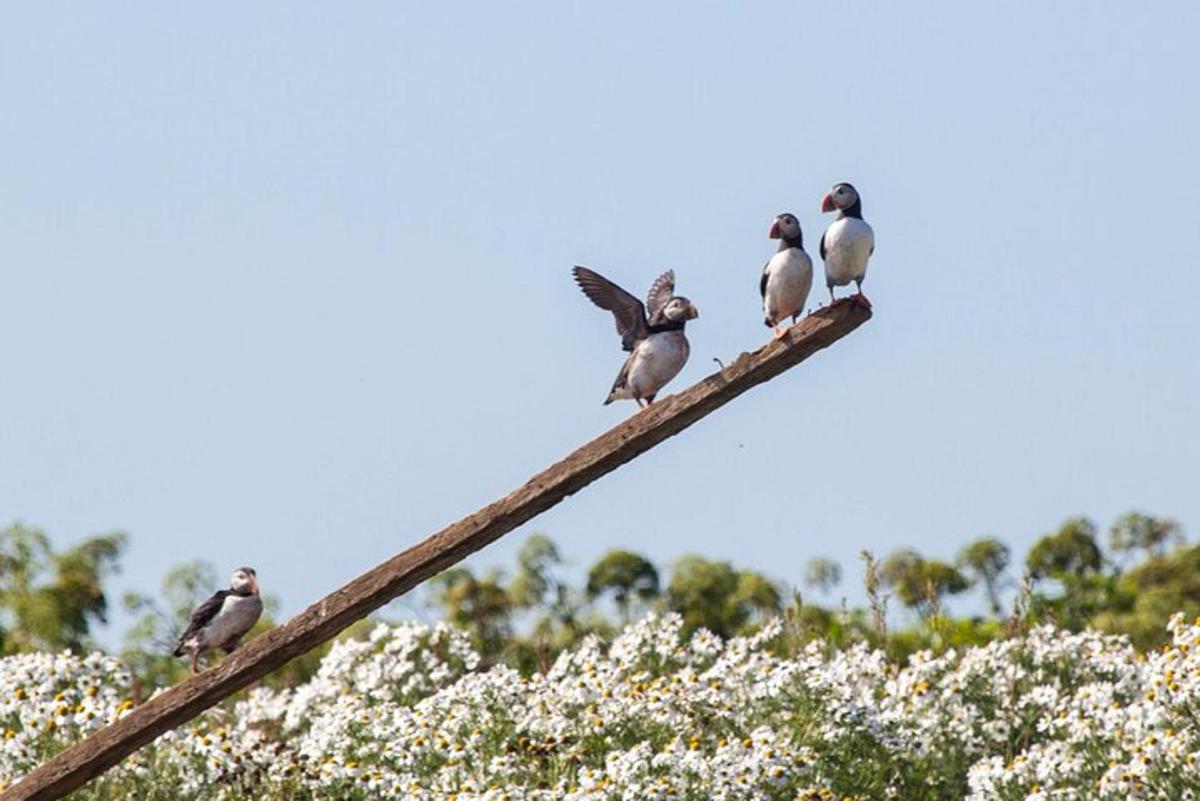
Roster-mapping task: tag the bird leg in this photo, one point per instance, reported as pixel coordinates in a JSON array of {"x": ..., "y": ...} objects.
[
  {"x": 195, "y": 661},
  {"x": 860, "y": 299},
  {"x": 640, "y": 404},
  {"x": 779, "y": 332},
  {"x": 832, "y": 299}
]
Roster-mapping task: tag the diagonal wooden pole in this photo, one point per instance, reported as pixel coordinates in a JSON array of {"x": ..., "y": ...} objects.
[{"x": 324, "y": 619}]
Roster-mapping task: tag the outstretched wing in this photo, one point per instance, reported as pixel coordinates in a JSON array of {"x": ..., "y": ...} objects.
[
  {"x": 203, "y": 615},
  {"x": 627, "y": 310},
  {"x": 661, "y": 292}
]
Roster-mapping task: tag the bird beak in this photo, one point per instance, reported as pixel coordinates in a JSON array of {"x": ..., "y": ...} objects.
[
  {"x": 773, "y": 231},
  {"x": 693, "y": 312},
  {"x": 827, "y": 203}
]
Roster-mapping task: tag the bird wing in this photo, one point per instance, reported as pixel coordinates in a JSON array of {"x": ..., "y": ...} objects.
[
  {"x": 246, "y": 614},
  {"x": 627, "y": 310},
  {"x": 661, "y": 292},
  {"x": 203, "y": 615},
  {"x": 823, "y": 246},
  {"x": 762, "y": 284}
]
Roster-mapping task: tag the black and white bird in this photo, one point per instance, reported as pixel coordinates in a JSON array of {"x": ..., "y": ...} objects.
[
  {"x": 848, "y": 242},
  {"x": 787, "y": 277},
  {"x": 652, "y": 333},
  {"x": 222, "y": 620}
]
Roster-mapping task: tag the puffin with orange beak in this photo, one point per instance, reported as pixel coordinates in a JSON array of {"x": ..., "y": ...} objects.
[
  {"x": 787, "y": 276},
  {"x": 222, "y": 620},
  {"x": 847, "y": 243}
]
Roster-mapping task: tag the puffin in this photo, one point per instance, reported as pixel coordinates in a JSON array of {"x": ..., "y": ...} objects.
[
  {"x": 651, "y": 333},
  {"x": 787, "y": 276},
  {"x": 222, "y": 620},
  {"x": 847, "y": 243}
]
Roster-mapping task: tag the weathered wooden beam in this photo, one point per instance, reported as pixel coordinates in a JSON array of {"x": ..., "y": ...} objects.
[{"x": 324, "y": 619}]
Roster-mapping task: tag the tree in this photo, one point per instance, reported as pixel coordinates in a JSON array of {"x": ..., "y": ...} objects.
[
  {"x": 900, "y": 571},
  {"x": 1069, "y": 552},
  {"x": 714, "y": 596},
  {"x": 536, "y": 561},
  {"x": 756, "y": 596},
  {"x": 1071, "y": 557},
  {"x": 481, "y": 605},
  {"x": 628, "y": 576},
  {"x": 1150, "y": 593},
  {"x": 985, "y": 560},
  {"x": 49, "y": 599},
  {"x": 921, "y": 584},
  {"x": 1135, "y": 531},
  {"x": 538, "y": 586},
  {"x": 822, "y": 574}
]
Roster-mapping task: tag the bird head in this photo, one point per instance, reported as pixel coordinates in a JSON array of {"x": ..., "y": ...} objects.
[
  {"x": 786, "y": 227},
  {"x": 840, "y": 198},
  {"x": 679, "y": 309},
  {"x": 244, "y": 579}
]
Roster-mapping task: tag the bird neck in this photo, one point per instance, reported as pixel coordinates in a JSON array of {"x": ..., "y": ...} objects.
[
  {"x": 244, "y": 592},
  {"x": 663, "y": 324},
  {"x": 854, "y": 211},
  {"x": 787, "y": 244}
]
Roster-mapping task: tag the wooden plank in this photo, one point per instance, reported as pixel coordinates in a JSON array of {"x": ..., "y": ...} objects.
[{"x": 324, "y": 619}]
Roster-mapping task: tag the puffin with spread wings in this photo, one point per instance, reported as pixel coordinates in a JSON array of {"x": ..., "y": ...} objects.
[
  {"x": 222, "y": 620},
  {"x": 652, "y": 333}
]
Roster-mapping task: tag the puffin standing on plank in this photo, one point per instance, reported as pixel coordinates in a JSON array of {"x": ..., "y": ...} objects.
[
  {"x": 847, "y": 243},
  {"x": 652, "y": 333},
  {"x": 222, "y": 620},
  {"x": 787, "y": 277}
]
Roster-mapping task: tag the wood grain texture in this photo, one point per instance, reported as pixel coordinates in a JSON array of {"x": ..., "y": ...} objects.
[{"x": 324, "y": 619}]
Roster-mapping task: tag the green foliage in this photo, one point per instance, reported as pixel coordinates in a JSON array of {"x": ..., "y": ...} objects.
[
  {"x": 822, "y": 574},
  {"x": 1069, "y": 552},
  {"x": 480, "y": 605},
  {"x": 628, "y": 576},
  {"x": 941, "y": 633},
  {"x": 536, "y": 562},
  {"x": 715, "y": 596},
  {"x": 1162, "y": 585},
  {"x": 985, "y": 560},
  {"x": 50, "y": 599},
  {"x": 1135, "y": 531},
  {"x": 921, "y": 583}
]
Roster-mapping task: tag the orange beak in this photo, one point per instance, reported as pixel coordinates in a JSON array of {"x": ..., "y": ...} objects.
[
  {"x": 827, "y": 204},
  {"x": 773, "y": 231}
]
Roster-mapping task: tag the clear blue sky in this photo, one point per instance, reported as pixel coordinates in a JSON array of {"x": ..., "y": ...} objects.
[{"x": 287, "y": 284}]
